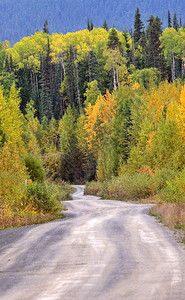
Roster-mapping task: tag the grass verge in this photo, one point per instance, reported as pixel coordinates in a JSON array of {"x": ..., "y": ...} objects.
[
  {"x": 41, "y": 203},
  {"x": 171, "y": 215}
]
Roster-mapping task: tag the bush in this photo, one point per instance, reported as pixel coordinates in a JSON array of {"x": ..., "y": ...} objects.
[
  {"x": 44, "y": 197},
  {"x": 174, "y": 191},
  {"x": 94, "y": 188},
  {"x": 35, "y": 168},
  {"x": 126, "y": 187},
  {"x": 135, "y": 186}
]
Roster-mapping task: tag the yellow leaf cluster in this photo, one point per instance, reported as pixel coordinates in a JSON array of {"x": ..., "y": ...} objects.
[{"x": 99, "y": 120}]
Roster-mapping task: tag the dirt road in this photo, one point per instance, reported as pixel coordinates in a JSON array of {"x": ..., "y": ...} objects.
[{"x": 104, "y": 249}]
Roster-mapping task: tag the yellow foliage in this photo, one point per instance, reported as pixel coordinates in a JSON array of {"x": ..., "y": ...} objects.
[
  {"x": 99, "y": 120},
  {"x": 135, "y": 86}
]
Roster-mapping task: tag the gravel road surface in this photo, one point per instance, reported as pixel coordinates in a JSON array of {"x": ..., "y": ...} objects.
[{"x": 104, "y": 249}]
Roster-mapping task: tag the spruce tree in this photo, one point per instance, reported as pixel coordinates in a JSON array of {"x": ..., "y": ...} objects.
[
  {"x": 92, "y": 26},
  {"x": 93, "y": 66},
  {"x": 153, "y": 33},
  {"x": 88, "y": 24},
  {"x": 113, "y": 40},
  {"x": 46, "y": 86},
  {"x": 169, "y": 19},
  {"x": 180, "y": 23},
  {"x": 128, "y": 51},
  {"x": 105, "y": 25},
  {"x": 175, "y": 22},
  {"x": 138, "y": 27},
  {"x": 46, "y": 29}
]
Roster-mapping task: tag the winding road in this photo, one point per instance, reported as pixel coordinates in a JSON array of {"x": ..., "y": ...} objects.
[{"x": 103, "y": 249}]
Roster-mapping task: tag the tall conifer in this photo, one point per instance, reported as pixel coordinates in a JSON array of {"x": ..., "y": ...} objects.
[
  {"x": 169, "y": 19},
  {"x": 138, "y": 27}
]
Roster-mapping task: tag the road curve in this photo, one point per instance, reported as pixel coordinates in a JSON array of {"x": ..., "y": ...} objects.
[{"x": 104, "y": 249}]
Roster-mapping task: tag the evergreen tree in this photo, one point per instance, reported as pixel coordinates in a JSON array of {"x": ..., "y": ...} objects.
[
  {"x": 180, "y": 23},
  {"x": 144, "y": 49},
  {"x": 138, "y": 27},
  {"x": 175, "y": 22},
  {"x": 113, "y": 40},
  {"x": 92, "y": 26},
  {"x": 93, "y": 66},
  {"x": 153, "y": 33},
  {"x": 46, "y": 86},
  {"x": 88, "y": 24},
  {"x": 105, "y": 25},
  {"x": 25, "y": 91},
  {"x": 169, "y": 19},
  {"x": 46, "y": 29},
  {"x": 128, "y": 50}
]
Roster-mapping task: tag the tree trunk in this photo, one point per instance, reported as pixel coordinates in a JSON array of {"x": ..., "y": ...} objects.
[
  {"x": 173, "y": 66},
  {"x": 183, "y": 64},
  {"x": 114, "y": 78}
]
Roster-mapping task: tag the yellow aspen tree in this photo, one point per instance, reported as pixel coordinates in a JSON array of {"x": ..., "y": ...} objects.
[{"x": 99, "y": 121}]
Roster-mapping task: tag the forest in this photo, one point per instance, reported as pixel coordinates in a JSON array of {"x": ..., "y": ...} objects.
[
  {"x": 97, "y": 104},
  {"x": 22, "y": 18}
]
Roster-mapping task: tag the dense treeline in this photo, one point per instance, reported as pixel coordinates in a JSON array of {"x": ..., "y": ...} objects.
[
  {"x": 22, "y": 18},
  {"x": 93, "y": 104}
]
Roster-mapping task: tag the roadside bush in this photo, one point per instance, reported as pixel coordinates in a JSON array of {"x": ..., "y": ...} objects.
[
  {"x": 94, "y": 188},
  {"x": 134, "y": 186},
  {"x": 44, "y": 197},
  {"x": 126, "y": 187},
  {"x": 174, "y": 191},
  {"x": 35, "y": 168}
]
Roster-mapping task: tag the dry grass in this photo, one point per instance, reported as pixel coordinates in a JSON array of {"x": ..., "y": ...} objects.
[
  {"x": 17, "y": 220},
  {"x": 170, "y": 214}
]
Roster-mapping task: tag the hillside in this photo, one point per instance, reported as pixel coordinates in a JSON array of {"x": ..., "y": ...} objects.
[{"x": 22, "y": 18}]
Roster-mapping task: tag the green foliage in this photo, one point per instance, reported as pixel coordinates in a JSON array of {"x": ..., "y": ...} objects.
[
  {"x": 94, "y": 188},
  {"x": 138, "y": 27},
  {"x": 44, "y": 197},
  {"x": 167, "y": 148},
  {"x": 174, "y": 190},
  {"x": 146, "y": 76},
  {"x": 35, "y": 168},
  {"x": 113, "y": 40},
  {"x": 92, "y": 93},
  {"x": 126, "y": 187}
]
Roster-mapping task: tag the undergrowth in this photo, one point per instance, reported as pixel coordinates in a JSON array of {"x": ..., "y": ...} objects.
[{"x": 41, "y": 202}]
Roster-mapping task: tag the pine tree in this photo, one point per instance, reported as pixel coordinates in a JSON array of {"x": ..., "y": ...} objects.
[
  {"x": 138, "y": 27},
  {"x": 46, "y": 29},
  {"x": 105, "y": 25},
  {"x": 175, "y": 22},
  {"x": 169, "y": 19}
]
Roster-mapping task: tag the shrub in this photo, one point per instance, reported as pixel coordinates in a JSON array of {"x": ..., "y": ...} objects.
[
  {"x": 94, "y": 188},
  {"x": 35, "y": 168},
  {"x": 126, "y": 187},
  {"x": 174, "y": 190},
  {"x": 44, "y": 197}
]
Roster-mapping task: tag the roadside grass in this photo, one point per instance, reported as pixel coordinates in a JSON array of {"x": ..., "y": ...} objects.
[
  {"x": 170, "y": 214},
  {"x": 41, "y": 203}
]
